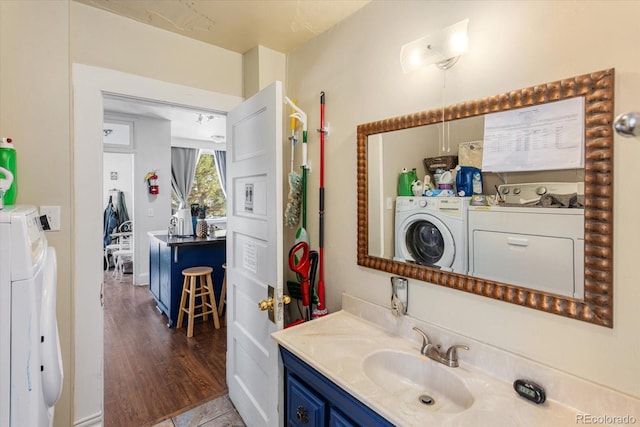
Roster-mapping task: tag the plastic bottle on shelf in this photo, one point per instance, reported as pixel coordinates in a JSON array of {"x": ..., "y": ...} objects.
[
  {"x": 8, "y": 160},
  {"x": 404, "y": 183}
]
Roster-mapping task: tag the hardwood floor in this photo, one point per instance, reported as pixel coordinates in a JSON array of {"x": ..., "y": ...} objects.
[{"x": 153, "y": 372}]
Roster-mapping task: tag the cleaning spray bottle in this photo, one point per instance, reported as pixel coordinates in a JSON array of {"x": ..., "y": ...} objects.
[{"x": 8, "y": 160}]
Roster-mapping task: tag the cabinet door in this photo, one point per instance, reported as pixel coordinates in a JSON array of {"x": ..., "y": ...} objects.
[
  {"x": 535, "y": 261},
  {"x": 165, "y": 282},
  {"x": 304, "y": 408},
  {"x": 154, "y": 268},
  {"x": 310, "y": 384},
  {"x": 337, "y": 419}
]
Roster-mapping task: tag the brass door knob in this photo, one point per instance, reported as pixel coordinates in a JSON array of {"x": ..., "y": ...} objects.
[
  {"x": 265, "y": 304},
  {"x": 286, "y": 299}
]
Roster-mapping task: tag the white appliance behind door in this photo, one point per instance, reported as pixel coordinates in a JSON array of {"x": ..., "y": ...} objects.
[{"x": 254, "y": 255}]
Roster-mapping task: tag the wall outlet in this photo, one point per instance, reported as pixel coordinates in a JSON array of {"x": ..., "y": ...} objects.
[
  {"x": 53, "y": 216},
  {"x": 150, "y": 212}
]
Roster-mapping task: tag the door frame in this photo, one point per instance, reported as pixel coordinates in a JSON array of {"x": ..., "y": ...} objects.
[{"x": 89, "y": 85}]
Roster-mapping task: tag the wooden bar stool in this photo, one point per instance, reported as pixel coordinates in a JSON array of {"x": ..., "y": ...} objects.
[
  {"x": 202, "y": 289},
  {"x": 222, "y": 304}
]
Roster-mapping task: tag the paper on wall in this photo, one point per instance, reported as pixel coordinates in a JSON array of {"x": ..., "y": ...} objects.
[{"x": 542, "y": 137}]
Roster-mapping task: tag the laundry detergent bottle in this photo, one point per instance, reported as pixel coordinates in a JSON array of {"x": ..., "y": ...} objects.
[
  {"x": 404, "y": 183},
  {"x": 468, "y": 181},
  {"x": 8, "y": 160}
]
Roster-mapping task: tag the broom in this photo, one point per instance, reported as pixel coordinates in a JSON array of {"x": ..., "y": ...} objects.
[{"x": 292, "y": 212}]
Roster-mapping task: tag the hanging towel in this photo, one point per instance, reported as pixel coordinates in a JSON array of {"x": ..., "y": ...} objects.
[
  {"x": 121, "y": 210},
  {"x": 110, "y": 222}
]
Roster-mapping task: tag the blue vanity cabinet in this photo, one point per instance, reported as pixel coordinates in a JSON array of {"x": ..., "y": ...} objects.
[
  {"x": 337, "y": 419},
  {"x": 169, "y": 256},
  {"x": 305, "y": 408},
  {"x": 312, "y": 400}
]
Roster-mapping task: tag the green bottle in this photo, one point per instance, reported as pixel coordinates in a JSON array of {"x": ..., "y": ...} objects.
[
  {"x": 404, "y": 183},
  {"x": 8, "y": 161}
]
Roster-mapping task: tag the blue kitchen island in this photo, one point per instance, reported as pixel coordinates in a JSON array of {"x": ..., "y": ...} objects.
[{"x": 168, "y": 256}]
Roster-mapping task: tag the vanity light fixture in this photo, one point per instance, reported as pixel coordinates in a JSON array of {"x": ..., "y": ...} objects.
[{"x": 442, "y": 48}]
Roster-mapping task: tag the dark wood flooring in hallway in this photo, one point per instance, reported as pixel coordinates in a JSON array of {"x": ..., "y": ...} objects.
[{"x": 152, "y": 372}]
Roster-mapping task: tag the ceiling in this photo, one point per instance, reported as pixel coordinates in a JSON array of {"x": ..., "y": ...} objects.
[
  {"x": 238, "y": 25},
  {"x": 186, "y": 123}
]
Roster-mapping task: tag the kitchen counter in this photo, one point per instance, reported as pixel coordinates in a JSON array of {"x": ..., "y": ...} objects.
[
  {"x": 337, "y": 345},
  {"x": 187, "y": 240},
  {"x": 168, "y": 256}
]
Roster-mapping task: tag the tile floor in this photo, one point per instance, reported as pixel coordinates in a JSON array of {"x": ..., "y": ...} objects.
[{"x": 216, "y": 413}]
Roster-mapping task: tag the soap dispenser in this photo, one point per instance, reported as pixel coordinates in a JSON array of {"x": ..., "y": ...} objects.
[{"x": 399, "y": 295}]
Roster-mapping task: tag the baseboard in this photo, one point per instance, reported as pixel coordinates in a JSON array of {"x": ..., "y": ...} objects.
[
  {"x": 90, "y": 421},
  {"x": 142, "y": 279}
]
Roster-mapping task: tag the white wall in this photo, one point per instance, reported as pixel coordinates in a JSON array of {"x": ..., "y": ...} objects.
[
  {"x": 35, "y": 112},
  {"x": 152, "y": 212},
  {"x": 512, "y": 45},
  {"x": 122, "y": 165},
  {"x": 262, "y": 66},
  {"x": 106, "y": 40}
]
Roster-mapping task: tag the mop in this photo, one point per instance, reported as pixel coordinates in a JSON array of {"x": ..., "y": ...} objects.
[
  {"x": 321, "y": 309},
  {"x": 292, "y": 212}
]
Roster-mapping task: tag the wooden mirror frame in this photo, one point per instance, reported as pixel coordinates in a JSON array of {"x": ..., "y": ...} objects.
[{"x": 597, "y": 305}]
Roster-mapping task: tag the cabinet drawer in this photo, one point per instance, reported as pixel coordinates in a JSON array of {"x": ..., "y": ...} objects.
[
  {"x": 338, "y": 419},
  {"x": 304, "y": 408}
]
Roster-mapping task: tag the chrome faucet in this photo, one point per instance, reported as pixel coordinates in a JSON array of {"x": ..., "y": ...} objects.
[{"x": 433, "y": 351}]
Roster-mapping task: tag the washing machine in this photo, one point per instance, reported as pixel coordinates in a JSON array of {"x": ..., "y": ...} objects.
[
  {"x": 30, "y": 360},
  {"x": 432, "y": 231},
  {"x": 523, "y": 243}
]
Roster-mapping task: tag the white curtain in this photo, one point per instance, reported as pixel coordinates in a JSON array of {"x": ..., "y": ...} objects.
[
  {"x": 183, "y": 171},
  {"x": 221, "y": 163}
]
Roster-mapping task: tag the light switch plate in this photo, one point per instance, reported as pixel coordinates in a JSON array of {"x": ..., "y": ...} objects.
[{"x": 53, "y": 216}]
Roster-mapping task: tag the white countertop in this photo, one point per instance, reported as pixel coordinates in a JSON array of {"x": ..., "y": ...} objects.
[{"x": 337, "y": 344}]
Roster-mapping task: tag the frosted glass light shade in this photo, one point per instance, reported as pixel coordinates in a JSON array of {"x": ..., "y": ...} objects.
[{"x": 442, "y": 48}]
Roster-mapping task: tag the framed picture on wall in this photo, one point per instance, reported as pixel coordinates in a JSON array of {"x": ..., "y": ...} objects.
[{"x": 117, "y": 135}]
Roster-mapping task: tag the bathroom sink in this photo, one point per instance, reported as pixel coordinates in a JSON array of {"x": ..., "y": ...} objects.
[{"x": 417, "y": 381}]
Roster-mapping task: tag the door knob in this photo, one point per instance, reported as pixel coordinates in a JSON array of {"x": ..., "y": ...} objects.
[
  {"x": 267, "y": 304},
  {"x": 270, "y": 303}
]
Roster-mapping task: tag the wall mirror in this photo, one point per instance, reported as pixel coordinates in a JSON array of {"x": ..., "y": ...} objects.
[{"x": 377, "y": 177}]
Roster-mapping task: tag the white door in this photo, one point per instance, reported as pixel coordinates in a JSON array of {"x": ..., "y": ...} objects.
[{"x": 254, "y": 255}]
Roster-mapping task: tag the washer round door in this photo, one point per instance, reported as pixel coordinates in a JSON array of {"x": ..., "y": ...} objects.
[{"x": 427, "y": 241}]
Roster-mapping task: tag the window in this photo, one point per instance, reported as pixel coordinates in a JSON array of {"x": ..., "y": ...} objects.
[
  {"x": 117, "y": 135},
  {"x": 206, "y": 190}
]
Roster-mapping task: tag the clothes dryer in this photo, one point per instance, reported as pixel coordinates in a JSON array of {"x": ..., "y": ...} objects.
[
  {"x": 30, "y": 361},
  {"x": 523, "y": 242},
  {"x": 432, "y": 231}
]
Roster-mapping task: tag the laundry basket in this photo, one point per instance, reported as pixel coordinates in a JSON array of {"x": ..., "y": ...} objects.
[{"x": 431, "y": 164}]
